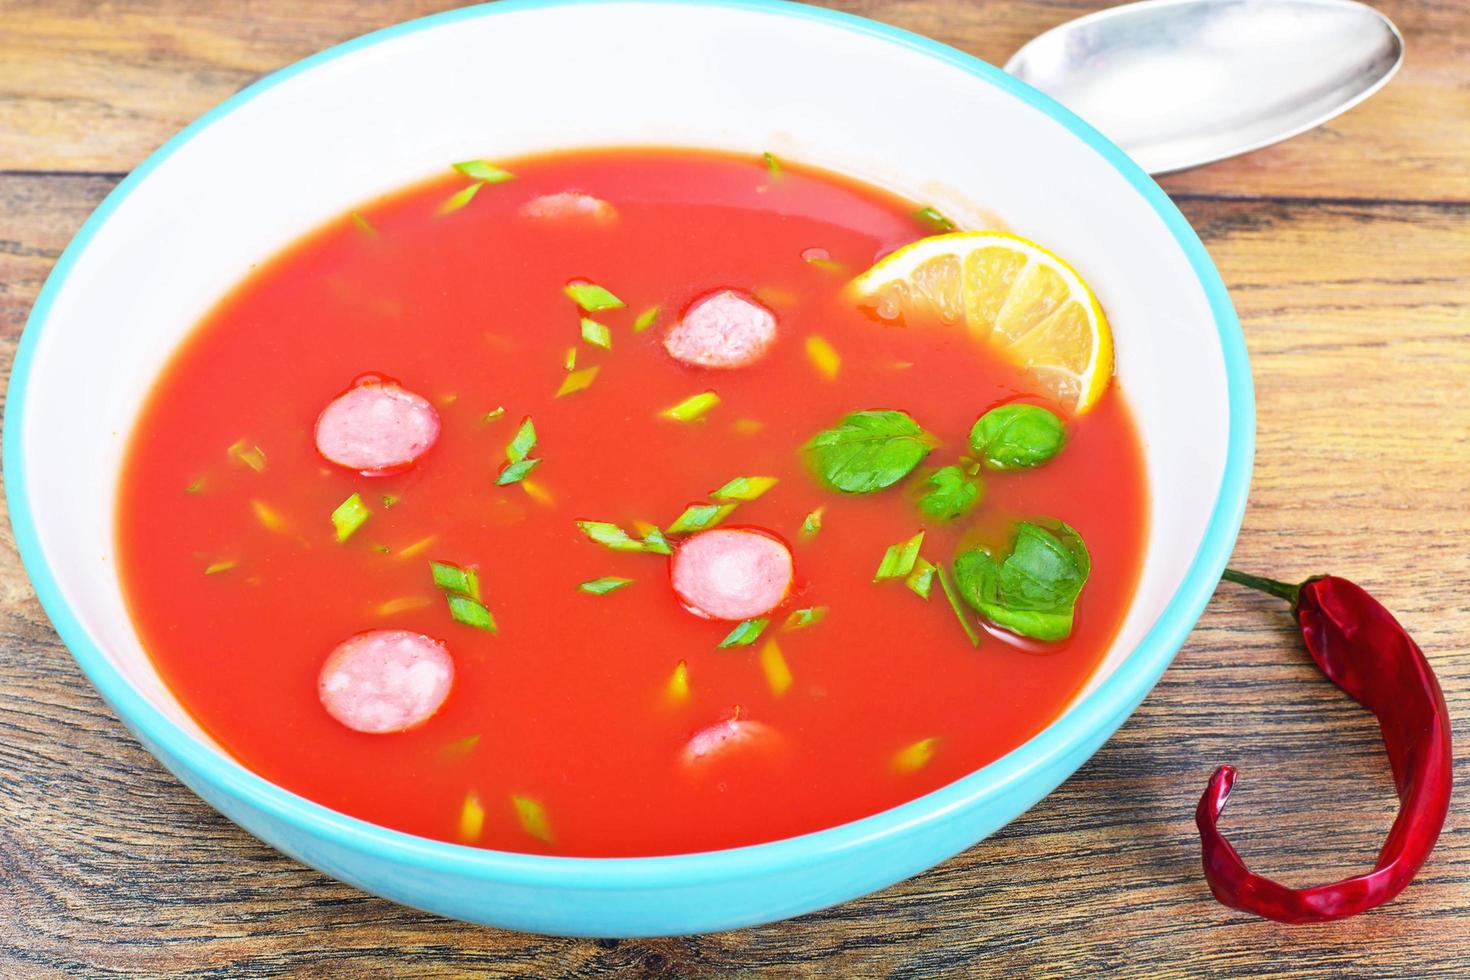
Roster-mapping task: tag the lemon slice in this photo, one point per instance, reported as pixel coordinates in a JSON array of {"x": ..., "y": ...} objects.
[{"x": 1009, "y": 292}]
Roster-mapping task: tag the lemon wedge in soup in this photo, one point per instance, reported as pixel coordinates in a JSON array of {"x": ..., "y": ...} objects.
[{"x": 1009, "y": 292}]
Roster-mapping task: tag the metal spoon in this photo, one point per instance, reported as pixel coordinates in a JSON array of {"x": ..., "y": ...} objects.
[{"x": 1178, "y": 83}]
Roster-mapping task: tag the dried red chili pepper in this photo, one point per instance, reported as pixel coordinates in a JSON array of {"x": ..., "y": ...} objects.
[{"x": 1362, "y": 649}]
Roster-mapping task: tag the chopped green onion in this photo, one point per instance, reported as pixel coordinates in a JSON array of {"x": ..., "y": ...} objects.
[
  {"x": 533, "y": 818},
  {"x": 348, "y": 516},
  {"x": 483, "y": 171},
  {"x": 745, "y": 633},
  {"x": 459, "y": 749},
  {"x": 383, "y": 549},
  {"x": 388, "y": 499},
  {"x": 220, "y": 566},
  {"x": 800, "y": 619},
  {"x": 955, "y": 604},
  {"x": 914, "y": 756},
  {"x": 196, "y": 486},
  {"x": 614, "y": 537},
  {"x": 693, "y": 407},
  {"x": 744, "y": 488},
  {"x": 778, "y": 675},
  {"x": 570, "y": 361},
  {"x": 596, "y": 334},
  {"x": 461, "y": 197},
  {"x": 522, "y": 442},
  {"x": 492, "y": 415},
  {"x": 678, "y": 686},
  {"x": 471, "y": 612},
  {"x": 471, "y": 818},
  {"x": 645, "y": 319},
  {"x": 363, "y": 225},
  {"x": 515, "y": 472},
  {"x": 604, "y": 585},
  {"x": 401, "y": 604},
  {"x": 452, "y": 578},
  {"x": 267, "y": 515},
  {"x": 538, "y": 493},
  {"x": 773, "y": 166},
  {"x": 577, "y": 381},
  {"x": 700, "y": 517},
  {"x": 813, "y": 522},
  {"x": 932, "y": 219},
  {"x": 899, "y": 559},
  {"x": 422, "y": 544},
  {"x": 592, "y": 297},
  {"x": 824, "y": 356},
  {"x": 921, "y": 579},
  {"x": 251, "y": 456}
]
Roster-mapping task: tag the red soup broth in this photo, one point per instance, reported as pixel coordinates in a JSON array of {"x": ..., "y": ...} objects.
[{"x": 565, "y": 732}]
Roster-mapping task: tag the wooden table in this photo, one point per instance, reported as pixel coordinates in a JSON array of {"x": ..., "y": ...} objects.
[{"x": 1348, "y": 254}]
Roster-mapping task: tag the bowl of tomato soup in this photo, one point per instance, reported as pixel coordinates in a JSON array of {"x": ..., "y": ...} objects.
[{"x": 628, "y": 468}]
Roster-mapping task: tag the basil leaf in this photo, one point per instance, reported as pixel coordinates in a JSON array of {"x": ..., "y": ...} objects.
[
  {"x": 1014, "y": 437},
  {"x": 868, "y": 451},
  {"x": 947, "y": 493},
  {"x": 1033, "y": 588}
]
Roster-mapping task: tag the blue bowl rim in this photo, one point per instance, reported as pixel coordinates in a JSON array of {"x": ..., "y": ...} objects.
[{"x": 1106, "y": 706}]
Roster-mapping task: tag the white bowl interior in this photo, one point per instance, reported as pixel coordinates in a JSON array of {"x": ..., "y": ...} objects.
[{"x": 744, "y": 79}]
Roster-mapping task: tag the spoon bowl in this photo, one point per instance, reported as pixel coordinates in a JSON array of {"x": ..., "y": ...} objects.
[{"x": 1179, "y": 83}]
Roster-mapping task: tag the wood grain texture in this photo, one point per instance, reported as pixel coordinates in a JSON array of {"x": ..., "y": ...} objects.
[{"x": 1348, "y": 254}]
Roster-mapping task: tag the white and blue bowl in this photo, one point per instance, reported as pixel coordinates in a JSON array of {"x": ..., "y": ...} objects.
[{"x": 521, "y": 76}]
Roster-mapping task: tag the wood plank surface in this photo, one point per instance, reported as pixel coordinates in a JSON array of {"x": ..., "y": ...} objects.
[{"x": 1347, "y": 252}]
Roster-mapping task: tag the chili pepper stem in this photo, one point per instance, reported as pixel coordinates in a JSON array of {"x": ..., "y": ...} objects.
[{"x": 1270, "y": 586}]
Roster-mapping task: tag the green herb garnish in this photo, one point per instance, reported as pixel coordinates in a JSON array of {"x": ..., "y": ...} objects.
[
  {"x": 813, "y": 522},
  {"x": 745, "y": 633},
  {"x": 868, "y": 451},
  {"x": 452, "y": 578},
  {"x": 592, "y": 297},
  {"x": 932, "y": 219},
  {"x": 484, "y": 172},
  {"x": 251, "y": 456},
  {"x": 460, "y": 198},
  {"x": 224, "y": 565},
  {"x": 515, "y": 472},
  {"x": 899, "y": 559},
  {"x": 947, "y": 493},
  {"x": 744, "y": 488},
  {"x": 471, "y": 612},
  {"x": 1014, "y": 437},
  {"x": 954, "y": 603},
  {"x": 517, "y": 454},
  {"x": 1032, "y": 588},
  {"x": 196, "y": 486},
  {"x": 773, "y": 166},
  {"x": 349, "y": 515},
  {"x": 458, "y": 749},
  {"x": 577, "y": 381},
  {"x": 492, "y": 415},
  {"x": 921, "y": 579},
  {"x": 533, "y": 818},
  {"x": 800, "y": 619},
  {"x": 363, "y": 225},
  {"x": 570, "y": 361},
  {"x": 596, "y": 333},
  {"x": 604, "y": 585},
  {"x": 700, "y": 517},
  {"x": 614, "y": 537},
  {"x": 388, "y": 499},
  {"x": 645, "y": 319},
  {"x": 692, "y": 408}
]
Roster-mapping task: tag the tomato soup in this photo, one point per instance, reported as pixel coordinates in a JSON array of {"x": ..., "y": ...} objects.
[{"x": 571, "y": 505}]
